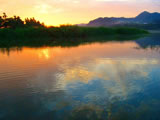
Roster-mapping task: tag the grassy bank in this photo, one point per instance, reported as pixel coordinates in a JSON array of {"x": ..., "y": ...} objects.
[{"x": 42, "y": 36}]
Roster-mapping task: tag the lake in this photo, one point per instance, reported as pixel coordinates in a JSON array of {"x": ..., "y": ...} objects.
[{"x": 98, "y": 81}]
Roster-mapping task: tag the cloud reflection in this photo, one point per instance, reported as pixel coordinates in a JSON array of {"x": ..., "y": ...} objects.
[{"x": 120, "y": 77}]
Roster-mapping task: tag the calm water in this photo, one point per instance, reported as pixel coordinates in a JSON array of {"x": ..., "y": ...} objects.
[{"x": 99, "y": 81}]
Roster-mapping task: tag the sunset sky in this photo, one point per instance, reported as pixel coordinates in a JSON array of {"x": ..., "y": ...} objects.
[{"x": 55, "y": 12}]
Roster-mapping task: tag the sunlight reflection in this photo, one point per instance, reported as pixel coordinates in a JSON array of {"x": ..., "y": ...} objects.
[{"x": 44, "y": 53}]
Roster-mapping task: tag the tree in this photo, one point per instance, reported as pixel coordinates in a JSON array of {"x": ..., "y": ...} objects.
[
  {"x": 16, "y": 21},
  {"x": 4, "y": 15},
  {"x": 1, "y": 21},
  {"x": 13, "y": 22},
  {"x": 33, "y": 22}
]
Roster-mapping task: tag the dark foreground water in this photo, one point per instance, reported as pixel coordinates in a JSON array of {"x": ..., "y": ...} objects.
[{"x": 100, "y": 81}]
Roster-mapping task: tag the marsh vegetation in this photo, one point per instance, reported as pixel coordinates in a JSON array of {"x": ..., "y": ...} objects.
[{"x": 30, "y": 32}]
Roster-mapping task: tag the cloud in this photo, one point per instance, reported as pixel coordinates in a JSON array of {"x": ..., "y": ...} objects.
[
  {"x": 117, "y": 0},
  {"x": 76, "y": 11},
  {"x": 111, "y": 0}
]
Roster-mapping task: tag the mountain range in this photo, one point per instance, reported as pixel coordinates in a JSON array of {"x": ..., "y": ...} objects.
[{"x": 143, "y": 18}]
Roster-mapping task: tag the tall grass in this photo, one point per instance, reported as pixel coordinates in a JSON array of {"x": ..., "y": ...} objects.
[
  {"x": 60, "y": 35},
  {"x": 66, "y": 31}
]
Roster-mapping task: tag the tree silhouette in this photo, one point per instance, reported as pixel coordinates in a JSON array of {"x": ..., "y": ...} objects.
[
  {"x": 33, "y": 22},
  {"x": 4, "y": 15},
  {"x": 12, "y": 22},
  {"x": 16, "y": 21},
  {"x": 1, "y": 21}
]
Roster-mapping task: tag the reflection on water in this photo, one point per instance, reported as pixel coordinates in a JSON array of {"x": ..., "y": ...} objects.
[
  {"x": 151, "y": 42},
  {"x": 109, "y": 81}
]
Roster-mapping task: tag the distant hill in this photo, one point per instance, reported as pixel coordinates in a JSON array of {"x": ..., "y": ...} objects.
[
  {"x": 143, "y": 19},
  {"x": 146, "y": 17}
]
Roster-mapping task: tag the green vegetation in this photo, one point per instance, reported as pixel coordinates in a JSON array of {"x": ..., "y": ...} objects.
[
  {"x": 15, "y": 32},
  {"x": 66, "y": 32}
]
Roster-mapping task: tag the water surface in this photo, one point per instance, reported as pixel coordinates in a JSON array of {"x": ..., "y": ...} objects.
[{"x": 99, "y": 81}]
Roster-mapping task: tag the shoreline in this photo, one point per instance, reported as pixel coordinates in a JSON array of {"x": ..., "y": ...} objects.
[{"x": 66, "y": 35}]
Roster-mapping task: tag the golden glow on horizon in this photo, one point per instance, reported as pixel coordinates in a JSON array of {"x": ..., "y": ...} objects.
[{"x": 55, "y": 12}]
